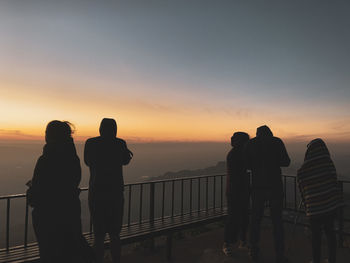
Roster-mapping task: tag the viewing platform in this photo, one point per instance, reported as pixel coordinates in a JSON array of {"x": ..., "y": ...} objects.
[
  {"x": 165, "y": 209},
  {"x": 205, "y": 247}
]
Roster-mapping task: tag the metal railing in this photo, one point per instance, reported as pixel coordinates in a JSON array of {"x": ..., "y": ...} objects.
[
  {"x": 178, "y": 197},
  {"x": 142, "y": 198}
]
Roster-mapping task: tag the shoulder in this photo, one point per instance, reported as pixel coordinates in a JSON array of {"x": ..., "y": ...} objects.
[
  {"x": 121, "y": 141},
  {"x": 277, "y": 140},
  {"x": 230, "y": 154},
  {"x": 41, "y": 159},
  {"x": 92, "y": 140},
  {"x": 250, "y": 143}
]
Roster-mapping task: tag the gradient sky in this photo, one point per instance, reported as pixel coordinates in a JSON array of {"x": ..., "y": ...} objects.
[{"x": 176, "y": 70}]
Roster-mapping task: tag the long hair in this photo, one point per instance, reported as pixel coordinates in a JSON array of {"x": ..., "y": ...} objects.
[{"x": 58, "y": 132}]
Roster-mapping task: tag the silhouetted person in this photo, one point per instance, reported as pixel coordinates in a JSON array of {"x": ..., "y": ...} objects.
[
  {"x": 105, "y": 155},
  {"x": 265, "y": 154},
  {"x": 317, "y": 179},
  {"x": 55, "y": 197},
  {"x": 237, "y": 193}
]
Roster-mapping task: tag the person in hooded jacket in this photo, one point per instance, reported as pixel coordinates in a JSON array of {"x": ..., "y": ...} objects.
[
  {"x": 321, "y": 195},
  {"x": 105, "y": 155},
  {"x": 55, "y": 197},
  {"x": 237, "y": 193},
  {"x": 265, "y": 155}
]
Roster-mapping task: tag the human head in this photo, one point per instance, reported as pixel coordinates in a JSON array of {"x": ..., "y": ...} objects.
[
  {"x": 315, "y": 148},
  {"x": 239, "y": 139},
  {"x": 263, "y": 131},
  {"x": 58, "y": 132},
  {"x": 108, "y": 128}
]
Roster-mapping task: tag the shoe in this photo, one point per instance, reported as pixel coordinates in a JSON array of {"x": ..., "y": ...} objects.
[
  {"x": 282, "y": 260},
  {"x": 242, "y": 245},
  {"x": 254, "y": 254},
  {"x": 227, "y": 249}
]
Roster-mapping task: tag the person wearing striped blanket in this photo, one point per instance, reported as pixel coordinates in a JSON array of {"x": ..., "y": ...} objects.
[{"x": 317, "y": 180}]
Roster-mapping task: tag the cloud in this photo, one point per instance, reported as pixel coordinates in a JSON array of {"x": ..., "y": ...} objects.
[
  {"x": 10, "y": 132},
  {"x": 16, "y": 134}
]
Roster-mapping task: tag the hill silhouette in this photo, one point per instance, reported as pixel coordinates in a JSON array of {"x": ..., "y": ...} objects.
[{"x": 219, "y": 168}]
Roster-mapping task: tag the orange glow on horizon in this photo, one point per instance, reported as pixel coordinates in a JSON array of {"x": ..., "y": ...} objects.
[{"x": 25, "y": 114}]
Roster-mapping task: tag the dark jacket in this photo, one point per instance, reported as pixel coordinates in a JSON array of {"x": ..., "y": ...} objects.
[
  {"x": 55, "y": 197},
  {"x": 264, "y": 155},
  {"x": 105, "y": 157},
  {"x": 56, "y": 178},
  {"x": 237, "y": 183}
]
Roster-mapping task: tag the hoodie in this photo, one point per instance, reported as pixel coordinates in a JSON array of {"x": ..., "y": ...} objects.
[
  {"x": 265, "y": 155},
  {"x": 105, "y": 155}
]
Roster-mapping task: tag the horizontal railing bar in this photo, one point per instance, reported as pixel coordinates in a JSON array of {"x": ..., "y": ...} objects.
[
  {"x": 12, "y": 196},
  {"x": 83, "y": 189}
]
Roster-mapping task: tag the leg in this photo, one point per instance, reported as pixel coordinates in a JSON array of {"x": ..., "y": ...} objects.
[
  {"x": 169, "y": 242},
  {"x": 316, "y": 228},
  {"x": 258, "y": 201},
  {"x": 276, "y": 205},
  {"x": 231, "y": 228},
  {"x": 99, "y": 247},
  {"x": 331, "y": 238},
  {"x": 115, "y": 248},
  {"x": 115, "y": 226},
  {"x": 244, "y": 222}
]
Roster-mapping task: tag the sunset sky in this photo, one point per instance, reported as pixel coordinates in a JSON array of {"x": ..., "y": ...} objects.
[{"x": 176, "y": 70}]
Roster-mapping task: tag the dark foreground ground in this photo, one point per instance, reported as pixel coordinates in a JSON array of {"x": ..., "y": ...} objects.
[{"x": 204, "y": 245}]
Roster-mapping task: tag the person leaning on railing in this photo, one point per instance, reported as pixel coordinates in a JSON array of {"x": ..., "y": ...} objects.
[
  {"x": 105, "y": 155},
  {"x": 317, "y": 180},
  {"x": 265, "y": 155}
]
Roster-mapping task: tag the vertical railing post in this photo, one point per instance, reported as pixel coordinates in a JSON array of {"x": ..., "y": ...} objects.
[
  {"x": 341, "y": 219},
  {"x": 206, "y": 194},
  {"x": 199, "y": 194},
  {"x": 214, "y": 191},
  {"x": 191, "y": 195},
  {"x": 182, "y": 196},
  {"x": 221, "y": 193},
  {"x": 8, "y": 224},
  {"x": 151, "y": 211},
  {"x": 140, "y": 208},
  {"x": 163, "y": 199},
  {"x": 26, "y": 225},
  {"x": 295, "y": 194},
  {"x": 129, "y": 205},
  {"x": 90, "y": 224},
  {"x": 285, "y": 191},
  {"x": 151, "y": 203},
  {"x": 172, "y": 197}
]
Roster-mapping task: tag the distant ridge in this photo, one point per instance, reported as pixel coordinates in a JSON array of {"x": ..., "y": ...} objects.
[{"x": 219, "y": 168}]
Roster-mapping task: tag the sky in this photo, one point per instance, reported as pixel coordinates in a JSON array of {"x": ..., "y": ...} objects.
[{"x": 176, "y": 70}]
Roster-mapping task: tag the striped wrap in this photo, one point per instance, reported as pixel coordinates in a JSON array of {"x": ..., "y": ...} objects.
[{"x": 317, "y": 180}]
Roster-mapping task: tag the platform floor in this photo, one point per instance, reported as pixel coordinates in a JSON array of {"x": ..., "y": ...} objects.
[{"x": 206, "y": 247}]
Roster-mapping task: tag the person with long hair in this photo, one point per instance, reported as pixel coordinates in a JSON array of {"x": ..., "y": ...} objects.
[
  {"x": 237, "y": 193},
  {"x": 317, "y": 180},
  {"x": 55, "y": 196}
]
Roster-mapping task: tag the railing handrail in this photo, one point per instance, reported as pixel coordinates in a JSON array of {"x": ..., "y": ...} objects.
[
  {"x": 13, "y": 196},
  {"x": 199, "y": 203}
]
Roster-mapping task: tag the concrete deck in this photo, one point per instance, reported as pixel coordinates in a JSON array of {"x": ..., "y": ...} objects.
[{"x": 206, "y": 248}]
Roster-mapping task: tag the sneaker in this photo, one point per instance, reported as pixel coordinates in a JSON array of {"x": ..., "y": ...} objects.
[
  {"x": 282, "y": 260},
  {"x": 254, "y": 254},
  {"x": 242, "y": 245},
  {"x": 227, "y": 249}
]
